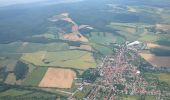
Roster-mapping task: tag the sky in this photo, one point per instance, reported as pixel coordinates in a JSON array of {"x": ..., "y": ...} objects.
[{"x": 12, "y": 2}]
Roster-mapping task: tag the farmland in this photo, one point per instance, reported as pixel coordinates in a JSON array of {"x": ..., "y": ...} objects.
[
  {"x": 75, "y": 59},
  {"x": 85, "y": 49},
  {"x": 152, "y": 45},
  {"x": 35, "y": 77},
  {"x": 156, "y": 60},
  {"x": 55, "y": 76}
]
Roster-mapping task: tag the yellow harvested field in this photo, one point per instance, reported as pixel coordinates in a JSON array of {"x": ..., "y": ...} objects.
[
  {"x": 156, "y": 60},
  {"x": 152, "y": 45},
  {"x": 58, "y": 78},
  {"x": 75, "y": 37},
  {"x": 130, "y": 29},
  {"x": 11, "y": 79},
  {"x": 35, "y": 57}
]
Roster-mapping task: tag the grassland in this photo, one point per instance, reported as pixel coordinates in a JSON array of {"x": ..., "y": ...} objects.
[
  {"x": 14, "y": 92},
  {"x": 34, "y": 78},
  {"x": 134, "y": 31},
  {"x": 149, "y": 37},
  {"x": 152, "y": 45},
  {"x": 20, "y": 94},
  {"x": 27, "y": 47},
  {"x": 69, "y": 59},
  {"x": 138, "y": 98},
  {"x": 163, "y": 77},
  {"x": 102, "y": 49},
  {"x": 104, "y": 38}
]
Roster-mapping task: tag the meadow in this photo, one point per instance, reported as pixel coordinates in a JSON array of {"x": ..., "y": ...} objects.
[
  {"x": 77, "y": 59},
  {"x": 34, "y": 78}
]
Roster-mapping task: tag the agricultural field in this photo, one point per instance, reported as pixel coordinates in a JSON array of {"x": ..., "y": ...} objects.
[
  {"x": 55, "y": 76},
  {"x": 67, "y": 59},
  {"x": 103, "y": 38},
  {"x": 34, "y": 78},
  {"x": 138, "y": 98},
  {"x": 102, "y": 49},
  {"x": 14, "y": 92},
  {"x": 82, "y": 47},
  {"x": 52, "y": 49},
  {"x": 164, "y": 77},
  {"x": 152, "y": 45},
  {"x": 139, "y": 31},
  {"x": 20, "y": 94},
  {"x": 157, "y": 61},
  {"x": 149, "y": 38},
  {"x": 81, "y": 94},
  {"x": 11, "y": 79},
  {"x": 27, "y": 47}
]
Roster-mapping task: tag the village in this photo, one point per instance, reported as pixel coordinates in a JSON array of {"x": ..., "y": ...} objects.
[{"x": 118, "y": 77}]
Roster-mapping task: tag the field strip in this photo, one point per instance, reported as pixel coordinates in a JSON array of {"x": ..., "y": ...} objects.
[{"x": 69, "y": 93}]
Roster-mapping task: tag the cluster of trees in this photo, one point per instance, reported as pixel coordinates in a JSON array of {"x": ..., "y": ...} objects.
[
  {"x": 164, "y": 41},
  {"x": 20, "y": 70},
  {"x": 3, "y": 73},
  {"x": 89, "y": 75}
]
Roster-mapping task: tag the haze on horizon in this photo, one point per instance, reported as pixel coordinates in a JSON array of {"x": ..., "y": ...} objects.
[
  {"x": 13, "y": 2},
  {"x": 4, "y": 3}
]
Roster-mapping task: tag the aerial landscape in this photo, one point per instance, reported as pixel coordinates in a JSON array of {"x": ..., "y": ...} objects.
[{"x": 85, "y": 50}]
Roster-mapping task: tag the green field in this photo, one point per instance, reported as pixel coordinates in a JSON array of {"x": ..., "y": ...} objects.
[
  {"x": 20, "y": 94},
  {"x": 27, "y": 47},
  {"x": 69, "y": 59},
  {"x": 34, "y": 78},
  {"x": 138, "y": 98},
  {"x": 165, "y": 77},
  {"x": 102, "y": 49},
  {"x": 104, "y": 38},
  {"x": 14, "y": 92},
  {"x": 149, "y": 37}
]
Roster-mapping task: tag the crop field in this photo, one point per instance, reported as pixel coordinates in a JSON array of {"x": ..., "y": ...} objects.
[
  {"x": 149, "y": 37},
  {"x": 164, "y": 77},
  {"x": 34, "y": 78},
  {"x": 35, "y": 58},
  {"x": 133, "y": 31},
  {"x": 14, "y": 92},
  {"x": 20, "y": 94},
  {"x": 11, "y": 47},
  {"x": 82, "y": 47},
  {"x": 9, "y": 63},
  {"x": 33, "y": 47},
  {"x": 130, "y": 98},
  {"x": 70, "y": 59},
  {"x": 152, "y": 45},
  {"x": 104, "y": 50},
  {"x": 58, "y": 78},
  {"x": 27, "y": 47},
  {"x": 138, "y": 98},
  {"x": 102, "y": 38},
  {"x": 156, "y": 60},
  {"x": 11, "y": 79}
]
